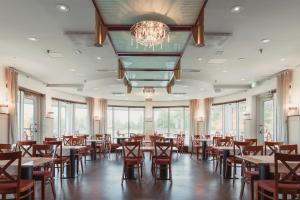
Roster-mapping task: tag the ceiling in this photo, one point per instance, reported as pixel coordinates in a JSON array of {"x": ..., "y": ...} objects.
[{"x": 233, "y": 58}]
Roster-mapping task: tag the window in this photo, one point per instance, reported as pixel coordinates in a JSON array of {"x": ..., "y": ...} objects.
[
  {"x": 172, "y": 120},
  {"x": 228, "y": 119},
  {"x": 125, "y": 120},
  {"x": 69, "y": 118},
  {"x": 268, "y": 120}
]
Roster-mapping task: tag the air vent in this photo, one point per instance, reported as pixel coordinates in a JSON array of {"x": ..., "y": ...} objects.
[
  {"x": 118, "y": 93},
  {"x": 179, "y": 93}
]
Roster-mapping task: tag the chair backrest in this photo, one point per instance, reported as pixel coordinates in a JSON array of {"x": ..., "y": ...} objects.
[
  {"x": 238, "y": 147},
  {"x": 99, "y": 136},
  {"x": 207, "y": 136},
  {"x": 77, "y": 141},
  {"x": 50, "y": 139},
  {"x": 25, "y": 147},
  {"x": 288, "y": 149},
  {"x": 132, "y": 150},
  {"x": 272, "y": 146},
  {"x": 107, "y": 138},
  {"x": 223, "y": 142},
  {"x": 180, "y": 140},
  {"x": 56, "y": 147},
  {"x": 6, "y": 174},
  {"x": 67, "y": 140},
  {"x": 215, "y": 139},
  {"x": 136, "y": 138},
  {"x": 5, "y": 148},
  {"x": 163, "y": 150},
  {"x": 196, "y": 137},
  {"x": 253, "y": 150},
  {"x": 252, "y": 141},
  {"x": 286, "y": 170},
  {"x": 41, "y": 150}
]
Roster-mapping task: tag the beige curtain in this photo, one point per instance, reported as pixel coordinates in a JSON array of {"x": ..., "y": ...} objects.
[
  {"x": 91, "y": 108},
  {"x": 102, "y": 113},
  {"x": 284, "y": 81},
  {"x": 195, "y": 114},
  {"x": 12, "y": 87},
  {"x": 207, "y": 107}
]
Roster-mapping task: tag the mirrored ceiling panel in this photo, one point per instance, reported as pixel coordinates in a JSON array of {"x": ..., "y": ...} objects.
[
  {"x": 150, "y": 62},
  {"x": 131, "y": 11},
  {"x": 124, "y": 42},
  {"x": 131, "y": 76},
  {"x": 154, "y": 84}
]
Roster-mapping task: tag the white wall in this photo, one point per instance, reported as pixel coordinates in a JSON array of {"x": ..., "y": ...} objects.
[
  {"x": 3, "y": 91},
  {"x": 148, "y": 126}
]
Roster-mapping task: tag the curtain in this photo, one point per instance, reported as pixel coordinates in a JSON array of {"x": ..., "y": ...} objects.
[
  {"x": 102, "y": 114},
  {"x": 195, "y": 114},
  {"x": 284, "y": 81},
  {"x": 12, "y": 87},
  {"x": 91, "y": 107},
  {"x": 207, "y": 107}
]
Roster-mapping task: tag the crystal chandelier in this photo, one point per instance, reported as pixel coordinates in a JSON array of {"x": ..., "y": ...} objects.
[{"x": 150, "y": 33}]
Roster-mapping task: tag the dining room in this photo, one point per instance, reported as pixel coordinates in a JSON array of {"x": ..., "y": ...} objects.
[{"x": 149, "y": 99}]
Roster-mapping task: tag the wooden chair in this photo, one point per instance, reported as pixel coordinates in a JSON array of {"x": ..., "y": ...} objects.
[
  {"x": 179, "y": 142},
  {"x": 78, "y": 141},
  {"x": 272, "y": 146},
  {"x": 5, "y": 148},
  {"x": 219, "y": 156},
  {"x": 253, "y": 142},
  {"x": 11, "y": 183},
  {"x": 286, "y": 181},
  {"x": 25, "y": 147},
  {"x": 45, "y": 175},
  {"x": 250, "y": 172},
  {"x": 289, "y": 149},
  {"x": 196, "y": 145},
  {"x": 233, "y": 161},
  {"x": 133, "y": 159},
  {"x": 163, "y": 158},
  {"x": 59, "y": 161},
  {"x": 50, "y": 139},
  {"x": 67, "y": 140}
]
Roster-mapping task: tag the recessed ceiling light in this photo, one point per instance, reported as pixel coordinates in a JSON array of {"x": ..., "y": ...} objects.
[
  {"x": 236, "y": 9},
  {"x": 72, "y": 70},
  {"x": 34, "y": 39},
  {"x": 62, "y": 7},
  {"x": 217, "y": 61},
  {"x": 243, "y": 79},
  {"x": 200, "y": 59},
  {"x": 77, "y": 51},
  {"x": 185, "y": 86},
  {"x": 265, "y": 40},
  {"x": 242, "y": 58},
  {"x": 98, "y": 58},
  {"x": 55, "y": 54},
  {"x": 225, "y": 71}
]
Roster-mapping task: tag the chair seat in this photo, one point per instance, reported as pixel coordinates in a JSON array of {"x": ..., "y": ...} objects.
[
  {"x": 41, "y": 174},
  {"x": 133, "y": 161},
  {"x": 10, "y": 188},
  {"x": 62, "y": 159},
  {"x": 162, "y": 161},
  {"x": 234, "y": 160},
  {"x": 269, "y": 185},
  {"x": 251, "y": 173},
  {"x": 196, "y": 146}
]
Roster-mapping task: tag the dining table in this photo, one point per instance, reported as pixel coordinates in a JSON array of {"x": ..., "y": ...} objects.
[
  {"x": 27, "y": 166},
  {"x": 120, "y": 139},
  {"x": 226, "y": 152},
  {"x": 70, "y": 151},
  {"x": 204, "y": 146},
  {"x": 94, "y": 143}
]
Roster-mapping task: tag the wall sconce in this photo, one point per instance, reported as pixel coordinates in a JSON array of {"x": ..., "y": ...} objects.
[
  {"x": 200, "y": 119},
  {"x": 247, "y": 116},
  {"x": 50, "y": 115},
  {"x": 3, "y": 109},
  {"x": 293, "y": 110}
]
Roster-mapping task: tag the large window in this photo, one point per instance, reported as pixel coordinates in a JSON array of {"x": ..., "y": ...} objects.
[
  {"x": 69, "y": 118},
  {"x": 125, "y": 120},
  {"x": 172, "y": 120},
  {"x": 228, "y": 119}
]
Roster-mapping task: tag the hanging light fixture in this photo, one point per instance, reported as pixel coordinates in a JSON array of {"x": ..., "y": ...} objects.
[{"x": 150, "y": 33}]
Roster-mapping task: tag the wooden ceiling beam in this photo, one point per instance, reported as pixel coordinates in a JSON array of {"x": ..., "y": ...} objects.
[
  {"x": 100, "y": 28},
  {"x": 198, "y": 29}
]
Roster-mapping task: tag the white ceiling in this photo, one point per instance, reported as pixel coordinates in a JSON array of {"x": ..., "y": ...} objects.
[{"x": 274, "y": 19}]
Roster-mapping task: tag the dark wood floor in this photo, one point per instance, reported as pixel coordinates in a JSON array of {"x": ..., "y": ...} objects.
[{"x": 192, "y": 179}]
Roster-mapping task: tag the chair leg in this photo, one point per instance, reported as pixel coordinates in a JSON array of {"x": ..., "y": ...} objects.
[
  {"x": 43, "y": 189},
  {"x": 33, "y": 192},
  {"x": 217, "y": 163},
  {"x": 252, "y": 188},
  {"x": 139, "y": 175},
  {"x": 170, "y": 173},
  {"x": 77, "y": 165},
  {"x": 81, "y": 163},
  {"x": 53, "y": 188},
  {"x": 123, "y": 176},
  {"x": 242, "y": 188}
]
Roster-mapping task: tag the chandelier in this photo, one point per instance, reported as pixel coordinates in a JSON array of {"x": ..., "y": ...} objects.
[{"x": 150, "y": 33}]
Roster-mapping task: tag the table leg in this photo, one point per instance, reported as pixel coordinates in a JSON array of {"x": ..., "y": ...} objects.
[
  {"x": 204, "y": 145},
  {"x": 264, "y": 174},
  {"x": 226, "y": 169},
  {"x": 94, "y": 150},
  {"x": 26, "y": 173},
  {"x": 72, "y": 166},
  {"x": 163, "y": 172}
]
